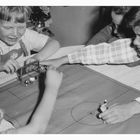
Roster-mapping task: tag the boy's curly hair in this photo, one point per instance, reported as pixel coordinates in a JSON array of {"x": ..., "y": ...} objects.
[{"x": 22, "y": 13}]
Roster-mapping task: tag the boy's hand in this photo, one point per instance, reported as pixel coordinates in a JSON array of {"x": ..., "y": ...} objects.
[
  {"x": 11, "y": 66},
  {"x": 53, "y": 77}
]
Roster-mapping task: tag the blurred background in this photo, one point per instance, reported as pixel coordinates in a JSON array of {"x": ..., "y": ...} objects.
[{"x": 70, "y": 25}]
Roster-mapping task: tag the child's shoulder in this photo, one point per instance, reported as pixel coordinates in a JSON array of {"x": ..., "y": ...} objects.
[
  {"x": 29, "y": 31},
  {"x": 29, "y": 34}
]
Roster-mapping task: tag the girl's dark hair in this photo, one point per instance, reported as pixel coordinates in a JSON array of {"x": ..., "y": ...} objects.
[
  {"x": 130, "y": 20},
  {"x": 22, "y": 13},
  {"x": 133, "y": 17},
  {"x": 121, "y": 10}
]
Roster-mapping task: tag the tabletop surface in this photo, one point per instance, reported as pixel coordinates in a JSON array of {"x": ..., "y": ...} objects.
[{"x": 80, "y": 94}]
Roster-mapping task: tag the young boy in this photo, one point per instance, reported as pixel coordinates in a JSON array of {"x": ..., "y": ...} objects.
[
  {"x": 41, "y": 117},
  {"x": 17, "y": 41},
  {"x": 121, "y": 51},
  {"x": 110, "y": 32}
]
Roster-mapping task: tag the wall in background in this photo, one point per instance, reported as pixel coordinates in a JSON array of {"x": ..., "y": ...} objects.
[{"x": 74, "y": 25}]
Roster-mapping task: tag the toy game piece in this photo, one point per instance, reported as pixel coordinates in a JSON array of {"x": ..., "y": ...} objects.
[
  {"x": 104, "y": 107},
  {"x": 29, "y": 72}
]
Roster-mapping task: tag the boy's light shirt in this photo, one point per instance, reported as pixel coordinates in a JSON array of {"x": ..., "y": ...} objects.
[
  {"x": 117, "y": 52},
  {"x": 32, "y": 41}
]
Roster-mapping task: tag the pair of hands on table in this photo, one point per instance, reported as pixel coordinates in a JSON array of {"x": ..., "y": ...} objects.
[{"x": 119, "y": 113}]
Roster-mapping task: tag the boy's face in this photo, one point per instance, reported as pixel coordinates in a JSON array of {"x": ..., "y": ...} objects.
[
  {"x": 11, "y": 31},
  {"x": 116, "y": 18}
]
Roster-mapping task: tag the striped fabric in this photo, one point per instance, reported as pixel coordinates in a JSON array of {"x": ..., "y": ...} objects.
[{"x": 117, "y": 52}]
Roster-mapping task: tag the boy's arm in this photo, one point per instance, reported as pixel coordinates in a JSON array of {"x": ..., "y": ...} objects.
[{"x": 49, "y": 48}]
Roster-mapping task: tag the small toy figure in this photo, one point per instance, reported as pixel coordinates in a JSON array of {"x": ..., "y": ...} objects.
[{"x": 102, "y": 107}]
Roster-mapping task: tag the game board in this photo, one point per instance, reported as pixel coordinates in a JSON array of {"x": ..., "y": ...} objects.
[{"x": 81, "y": 93}]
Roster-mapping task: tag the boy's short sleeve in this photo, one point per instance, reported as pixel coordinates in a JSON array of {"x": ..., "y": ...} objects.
[{"x": 34, "y": 40}]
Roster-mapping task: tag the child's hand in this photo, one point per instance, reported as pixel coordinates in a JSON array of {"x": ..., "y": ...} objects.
[
  {"x": 53, "y": 77},
  {"x": 11, "y": 66},
  {"x": 118, "y": 113},
  {"x": 30, "y": 60}
]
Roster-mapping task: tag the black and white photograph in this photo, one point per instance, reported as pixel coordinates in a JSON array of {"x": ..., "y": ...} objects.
[{"x": 69, "y": 69}]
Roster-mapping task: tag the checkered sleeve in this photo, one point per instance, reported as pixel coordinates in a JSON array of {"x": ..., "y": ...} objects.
[{"x": 118, "y": 52}]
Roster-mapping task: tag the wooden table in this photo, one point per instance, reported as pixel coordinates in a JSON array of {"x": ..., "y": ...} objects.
[{"x": 80, "y": 94}]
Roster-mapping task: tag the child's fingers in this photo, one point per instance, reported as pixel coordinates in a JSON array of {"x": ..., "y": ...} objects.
[
  {"x": 113, "y": 105},
  {"x": 28, "y": 61},
  {"x": 105, "y": 113},
  {"x": 11, "y": 66},
  {"x": 15, "y": 63},
  {"x": 6, "y": 69}
]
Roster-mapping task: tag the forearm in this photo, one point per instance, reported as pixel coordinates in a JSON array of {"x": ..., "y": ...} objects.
[
  {"x": 43, "y": 112},
  {"x": 63, "y": 60},
  {"x": 118, "y": 52},
  {"x": 49, "y": 48},
  {"x": 88, "y": 55}
]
